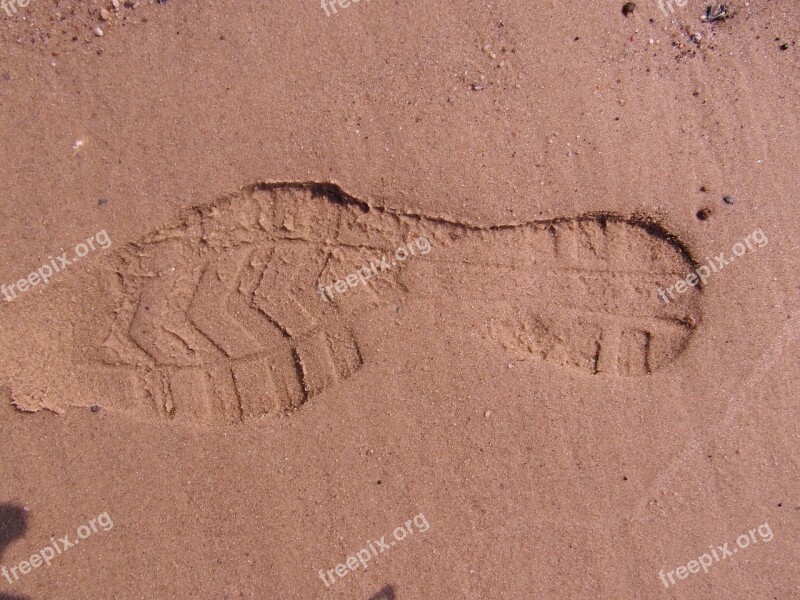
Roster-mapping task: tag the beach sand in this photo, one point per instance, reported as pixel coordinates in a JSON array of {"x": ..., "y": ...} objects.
[{"x": 398, "y": 301}]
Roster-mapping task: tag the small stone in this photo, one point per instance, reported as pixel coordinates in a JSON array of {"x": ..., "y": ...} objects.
[
  {"x": 104, "y": 14},
  {"x": 729, "y": 200},
  {"x": 115, "y": 4},
  {"x": 487, "y": 414},
  {"x": 715, "y": 13},
  {"x": 102, "y": 201},
  {"x": 703, "y": 214},
  {"x": 95, "y": 409},
  {"x": 628, "y": 8},
  {"x": 129, "y": 3},
  {"x": 97, "y": 31}
]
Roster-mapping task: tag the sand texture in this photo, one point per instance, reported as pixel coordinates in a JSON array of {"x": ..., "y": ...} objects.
[{"x": 399, "y": 300}]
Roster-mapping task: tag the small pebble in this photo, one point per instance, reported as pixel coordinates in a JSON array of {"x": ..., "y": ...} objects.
[
  {"x": 729, "y": 199},
  {"x": 628, "y": 8},
  {"x": 97, "y": 31},
  {"x": 115, "y": 4},
  {"x": 95, "y": 409},
  {"x": 487, "y": 414},
  {"x": 102, "y": 201},
  {"x": 104, "y": 14}
]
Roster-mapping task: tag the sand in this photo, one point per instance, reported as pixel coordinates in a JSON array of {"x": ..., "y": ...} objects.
[{"x": 399, "y": 301}]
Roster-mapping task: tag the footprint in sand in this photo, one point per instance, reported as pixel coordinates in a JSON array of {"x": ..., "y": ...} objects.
[{"x": 218, "y": 318}]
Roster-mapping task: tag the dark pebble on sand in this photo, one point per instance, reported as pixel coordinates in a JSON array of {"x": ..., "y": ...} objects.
[{"x": 703, "y": 214}]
